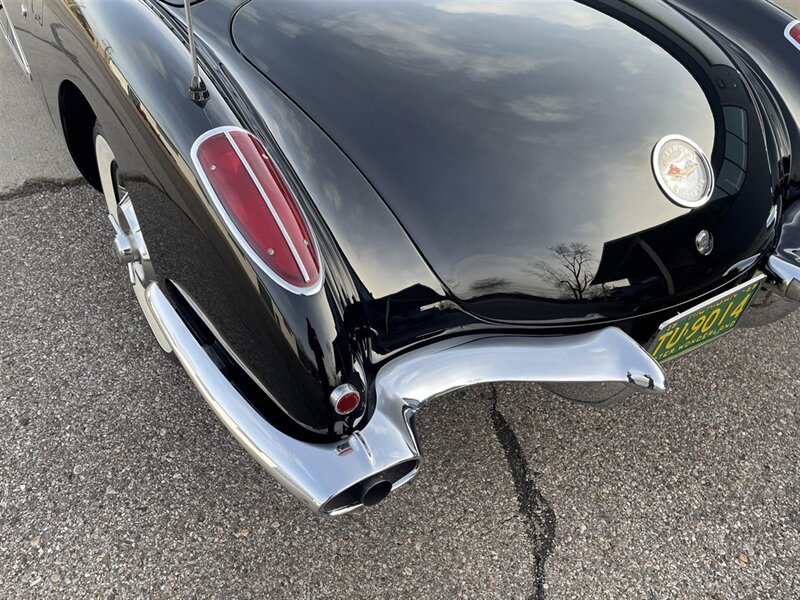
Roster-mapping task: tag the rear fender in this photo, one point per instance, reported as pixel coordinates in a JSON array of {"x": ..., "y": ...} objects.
[{"x": 296, "y": 348}]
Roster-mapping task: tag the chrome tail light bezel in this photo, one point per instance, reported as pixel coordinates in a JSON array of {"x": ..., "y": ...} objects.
[
  {"x": 232, "y": 228},
  {"x": 788, "y": 33}
]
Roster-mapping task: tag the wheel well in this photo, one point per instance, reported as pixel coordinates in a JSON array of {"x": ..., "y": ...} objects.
[{"x": 77, "y": 121}]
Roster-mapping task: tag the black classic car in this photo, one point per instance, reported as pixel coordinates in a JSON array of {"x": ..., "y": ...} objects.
[{"x": 332, "y": 211}]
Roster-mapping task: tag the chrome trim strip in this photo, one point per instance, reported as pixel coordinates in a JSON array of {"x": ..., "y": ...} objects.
[
  {"x": 268, "y": 202},
  {"x": 786, "y": 34},
  {"x": 742, "y": 265},
  {"x": 10, "y": 33},
  {"x": 240, "y": 240},
  {"x": 318, "y": 473}
]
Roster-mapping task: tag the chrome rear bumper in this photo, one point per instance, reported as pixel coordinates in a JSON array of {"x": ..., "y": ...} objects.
[{"x": 335, "y": 478}]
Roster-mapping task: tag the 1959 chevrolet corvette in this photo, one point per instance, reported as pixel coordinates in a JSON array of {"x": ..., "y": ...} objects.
[{"x": 333, "y": 211}]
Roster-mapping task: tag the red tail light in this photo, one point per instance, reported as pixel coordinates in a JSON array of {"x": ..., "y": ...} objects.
[
  {"x": 345, "y": 399},
  {"x": 258, "y": 207},
  {"x": 793, "y": 33}
]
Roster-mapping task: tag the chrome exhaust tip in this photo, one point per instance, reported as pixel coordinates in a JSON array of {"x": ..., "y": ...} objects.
[{"x": 372, "y": 490}]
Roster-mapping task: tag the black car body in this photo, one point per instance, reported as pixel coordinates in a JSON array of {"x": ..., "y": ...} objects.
[{"x": 472, "y": 182}]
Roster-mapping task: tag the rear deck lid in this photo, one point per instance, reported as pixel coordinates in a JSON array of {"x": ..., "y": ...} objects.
[{"x": 513, "y": 141}]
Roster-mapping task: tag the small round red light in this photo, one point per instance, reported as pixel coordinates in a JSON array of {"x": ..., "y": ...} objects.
[
  {"x": 345, "y": 399},
  {"x": 348, "y": 403},
  {"x": 794, "y": 32}
]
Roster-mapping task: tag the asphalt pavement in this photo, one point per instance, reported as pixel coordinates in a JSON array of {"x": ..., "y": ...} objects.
[
  {"x": 116, "y": 480},
  {"x": 31, "y": 149}
]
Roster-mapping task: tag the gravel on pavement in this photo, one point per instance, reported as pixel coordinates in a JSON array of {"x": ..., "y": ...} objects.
[{"x": 116, "y": 480}]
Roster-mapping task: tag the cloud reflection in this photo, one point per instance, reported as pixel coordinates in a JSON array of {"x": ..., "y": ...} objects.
[
  {"x": 424, "y": 47},
  {"x": 543, "y": 109},
  {"x": 562, "y": 12}
]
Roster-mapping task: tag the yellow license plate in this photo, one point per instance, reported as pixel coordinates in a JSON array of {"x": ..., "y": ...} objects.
[{"x": 703, "y": 323}]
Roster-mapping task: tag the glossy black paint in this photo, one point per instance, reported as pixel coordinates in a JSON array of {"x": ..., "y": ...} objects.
[
  {"x": 298, "y": 348},
  {"x": 498, "y": 131},
  {"x": 405, "y": 159}
]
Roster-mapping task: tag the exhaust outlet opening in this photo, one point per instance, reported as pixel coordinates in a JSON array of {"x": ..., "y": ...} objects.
[{"x": 372, "y": 490}]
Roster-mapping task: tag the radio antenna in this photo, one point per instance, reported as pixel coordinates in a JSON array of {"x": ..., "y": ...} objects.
[{"x": 197, "y": 88}]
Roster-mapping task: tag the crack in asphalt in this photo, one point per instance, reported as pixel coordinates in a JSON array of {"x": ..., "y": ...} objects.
[
  {"x": 540, "y": 519},
  {"x": 41, "y": 184}
]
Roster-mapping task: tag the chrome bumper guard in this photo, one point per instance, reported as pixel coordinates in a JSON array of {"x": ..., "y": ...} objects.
[
  {"x": 335, "y": 478},
  {"x": 784, "y": 276},
  {"x": 780, "y": 294}
]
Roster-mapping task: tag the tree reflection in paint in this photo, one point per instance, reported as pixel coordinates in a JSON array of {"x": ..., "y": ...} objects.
[{"x": 572, "y": 272}]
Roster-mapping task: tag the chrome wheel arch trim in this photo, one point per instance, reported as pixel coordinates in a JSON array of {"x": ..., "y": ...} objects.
[
  {"x": 10, "y": 33},
  {"x": 125, "y": 223}
]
